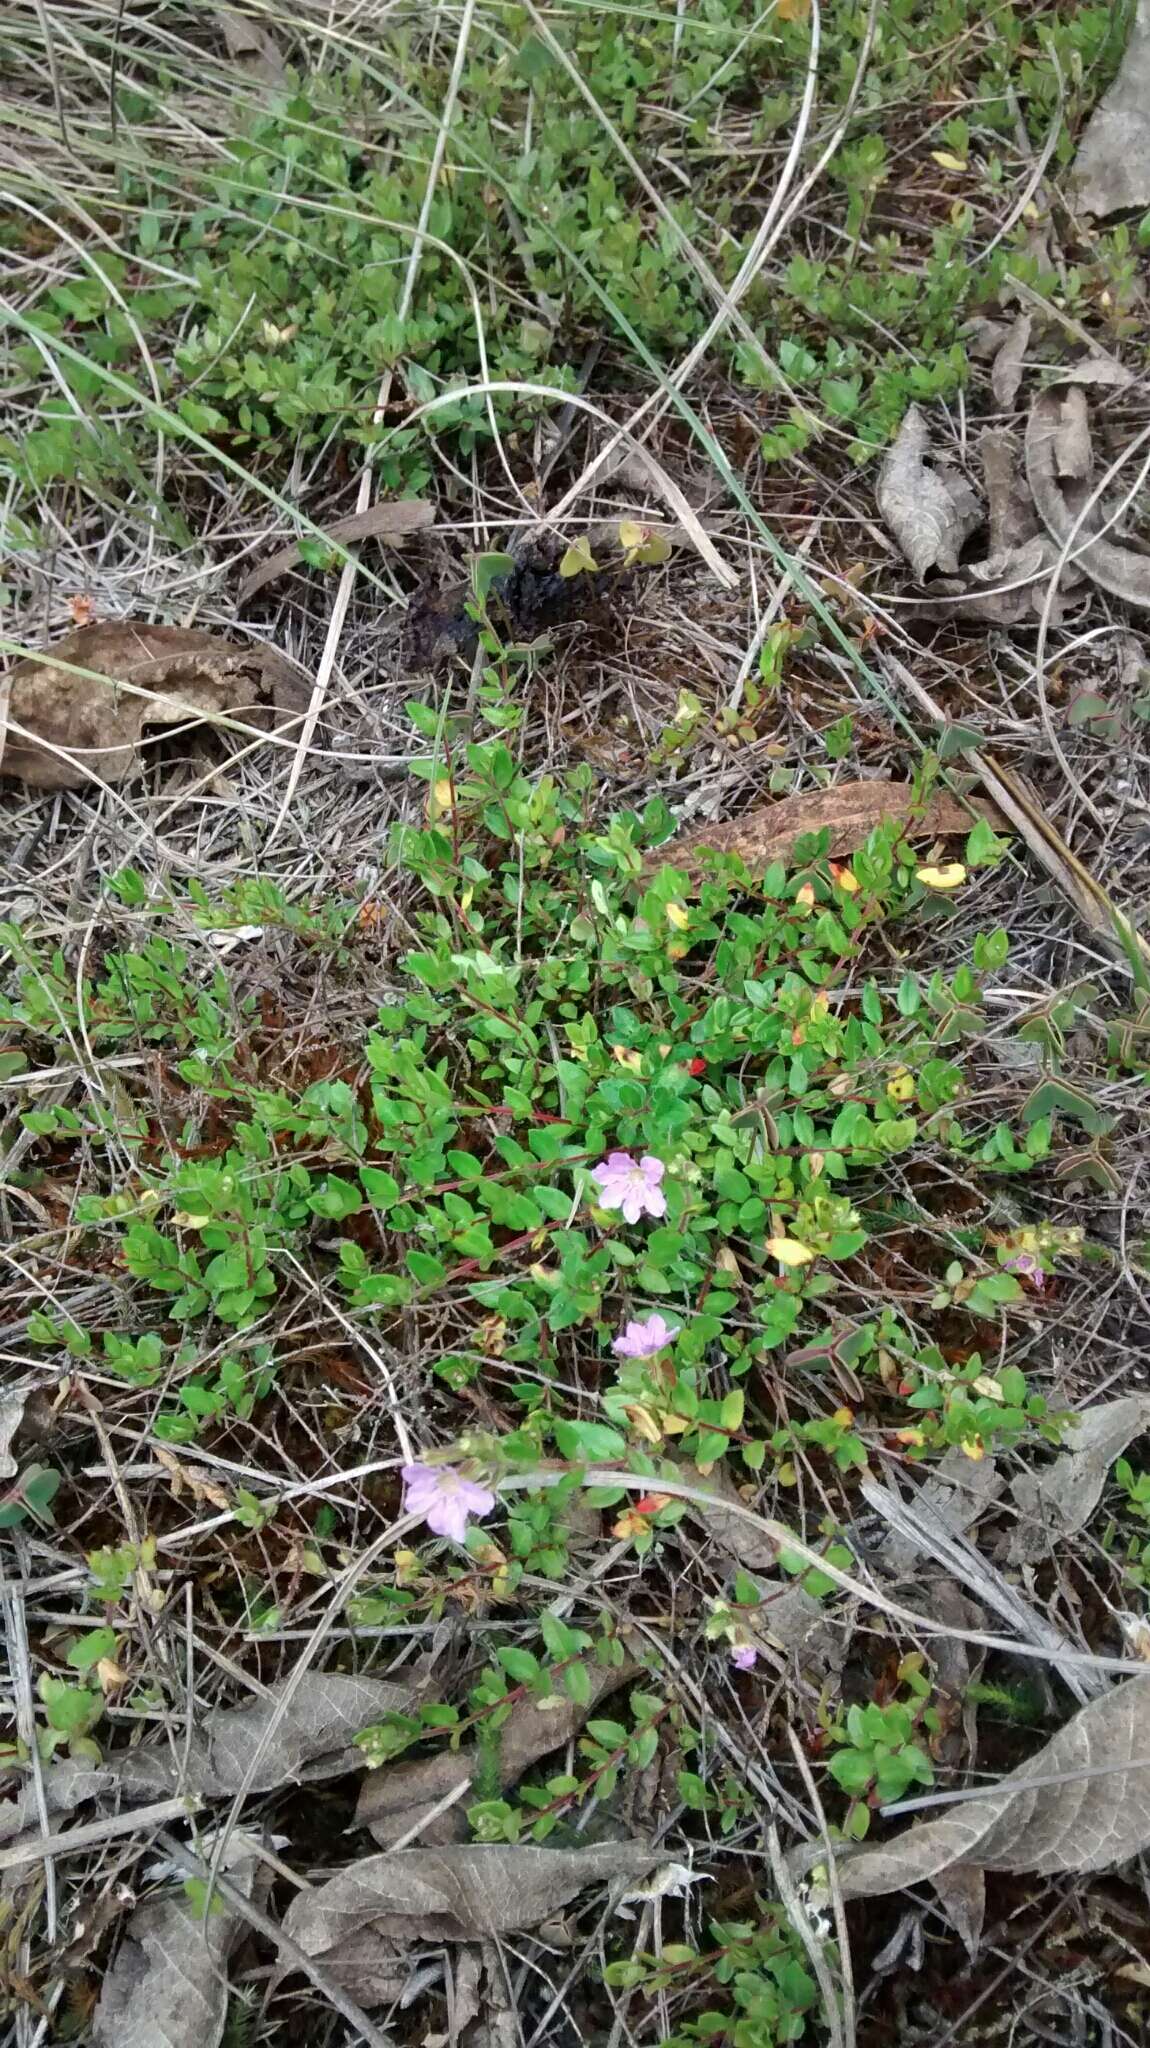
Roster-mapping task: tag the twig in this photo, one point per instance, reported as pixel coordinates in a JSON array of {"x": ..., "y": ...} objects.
[{"x": 38, "y": 1848}]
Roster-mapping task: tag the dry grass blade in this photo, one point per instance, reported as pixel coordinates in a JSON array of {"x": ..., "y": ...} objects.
[
  {"x": 1100, "y": 915},
  {"x": 391, "y": 521},
  {"x": 850, "y": 811}
]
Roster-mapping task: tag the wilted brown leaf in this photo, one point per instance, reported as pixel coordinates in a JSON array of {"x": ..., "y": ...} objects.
[
  {"x": 1081, "y": 1823},
  {"x": 1006, "y": 371},
  {"x": 250, "y": 43},
  {"x": 1060, "y": 1500},
  {"x": 1112, "y": 168},
  {"x": 168, "y": 1986},
  {"x": 850, "y": 809},
  {"x": 314, "y": 1741},
  {"x": 391, "y": 520},
  {"x": 396, "y": 1798},
  {"x": 1057, "y": 469},
  {"x": 64, "y": 728},
  {"x": 929, "y": 512},
  {"x": 362, "y": 1922}
]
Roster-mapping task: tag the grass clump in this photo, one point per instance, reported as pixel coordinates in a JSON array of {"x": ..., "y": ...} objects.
[{"x": 266, "y": 277}]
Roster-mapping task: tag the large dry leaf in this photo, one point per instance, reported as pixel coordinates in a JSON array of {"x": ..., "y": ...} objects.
[
  {"x": 1060, "y": 1500},
  {"x": 399, "y": 1797},
  {"x": 11, "y": 1416},
  {"x": 250, "y": 43},
  {"x": 391, "y": 520},
  {"x": 1081, "y": 1824},
  {"x": 1012, "y": 582},
  {"x": 934, "y": 1541},
  {"x": 168, "y": 1986},
  {"x": 74, "y": 727},
  {"x": 929, "y": 512},
  {"x": 1057, "y": 469},
  {"x": 1112, "y": 169},
  {"x": 851, "y": 810},
  {"x": 1006, "y": 371},
  {"x": 315, "y": 1740},
  {"x": 362, "y": 1923}
]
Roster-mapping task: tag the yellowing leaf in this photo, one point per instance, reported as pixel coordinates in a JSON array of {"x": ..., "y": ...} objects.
[
  {"x": 789, "y": 1252},
  {"x": 805, "y": 898},
  {"x": 950, "y": 876},
  {"x": 677, "y": 916},
  {"x": 643, "y": 544},
  {"x": 845, "y": 878},
  {"x": 633, "y": 1061},
  {"x": 793, "y": 10},
  {"x": 577, "y": 559},
  {"x": 816, "y": 1161},
  {"x": 644, "y": 1424},
  {"x": 947, "y": 162},
  {"x": 900, "y": 1087},
  {"x": 441, "y": 798},
  {"x": 973, "y": 1447}
]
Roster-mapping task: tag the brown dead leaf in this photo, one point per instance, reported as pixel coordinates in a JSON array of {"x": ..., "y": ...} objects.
[
  {"x": 65, "y": 728},
  {"x": 363, "y": 1922},
  {"x": 314, "y": 1741},
  {"x": 1006, "y": 372},
  {"x": 1059, "y": 1501},
  {"x": 392, "y": 520},
  {"x": 190, "y": 1479},
  {"x": 1058, "y": 470},
  {"x": 929, "y": 511},
  {"x": 396, "y": 1798},
  {"x": 1082, "y": 1803},
  {"x": 168, "y": 1986},
  {"x": 1012, "y": 582},
  {"x": 851, "y": 810},
  {"x": 250, "y": 43},
  {"x": 1112, "y": 168}
]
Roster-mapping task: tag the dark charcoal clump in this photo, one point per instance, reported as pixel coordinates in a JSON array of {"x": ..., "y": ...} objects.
[{"x": 531, "y": 599}]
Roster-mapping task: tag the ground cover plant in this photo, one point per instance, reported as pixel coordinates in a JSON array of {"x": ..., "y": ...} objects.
[{"x": 575, "y": 1257}]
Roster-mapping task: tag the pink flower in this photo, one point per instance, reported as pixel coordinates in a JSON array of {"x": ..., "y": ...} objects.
[
  {"x": 1028, "y": 1268},
  {"x": 444, "y": 1499},
  {"x": 631, "y": 1185},
  {"x": 744, "y": 1657},
  {"x": 642, "y": 1340}
]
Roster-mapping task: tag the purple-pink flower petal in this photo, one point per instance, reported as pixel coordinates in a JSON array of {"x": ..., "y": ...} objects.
[
  {"x": 643, "y": 1339},
  {"x": 631, "y": 1185},
  {"x": 444, "y": 1499},
  {"x": 744, "y": 1656}
]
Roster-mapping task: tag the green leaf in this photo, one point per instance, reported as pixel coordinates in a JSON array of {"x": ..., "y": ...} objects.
[
  {"x": 425, "y": 1268},
  {"x": 592, "y": 1442},
  {"x": 380, "y": 1187},
  {"x": 99, "y": 1642}
]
